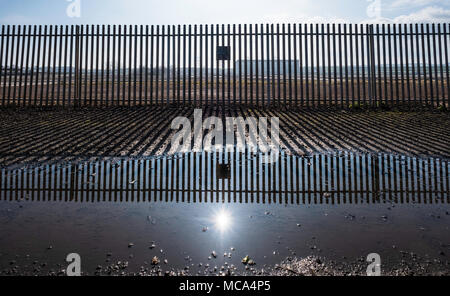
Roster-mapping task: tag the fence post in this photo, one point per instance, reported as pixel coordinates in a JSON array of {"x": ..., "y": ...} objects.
[
  {"x": 77, "y": 91},
  {"x": 371, "y": 66}
]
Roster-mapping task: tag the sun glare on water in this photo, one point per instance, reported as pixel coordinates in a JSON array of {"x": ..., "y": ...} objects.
[{"x": 223, "y": 220}]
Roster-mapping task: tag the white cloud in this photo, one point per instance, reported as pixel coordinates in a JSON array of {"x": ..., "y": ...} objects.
[
  {"x": 413, "y": 3},
  {"x": 431, "y": 14},
  {"x": 301, "y": 18},
  {"x": 379, "y": 20}
]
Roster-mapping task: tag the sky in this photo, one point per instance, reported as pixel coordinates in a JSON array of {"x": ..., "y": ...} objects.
[{"x": 222, "y": 12}]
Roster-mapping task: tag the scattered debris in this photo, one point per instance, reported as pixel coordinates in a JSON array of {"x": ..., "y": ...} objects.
[{"x": 155, "y": 260}]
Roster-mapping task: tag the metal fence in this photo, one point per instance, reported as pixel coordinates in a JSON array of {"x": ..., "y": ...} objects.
[{"x": 290, "y": 65}]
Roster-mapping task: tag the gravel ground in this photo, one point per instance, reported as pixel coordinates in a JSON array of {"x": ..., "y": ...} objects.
[{"x": 411, "y": 265}]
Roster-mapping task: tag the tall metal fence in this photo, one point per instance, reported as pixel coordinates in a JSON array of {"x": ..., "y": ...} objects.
[{"x": 286, "y": 65}]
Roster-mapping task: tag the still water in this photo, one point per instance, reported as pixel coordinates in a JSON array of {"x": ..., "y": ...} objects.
[{"x": 181, "y": 208}]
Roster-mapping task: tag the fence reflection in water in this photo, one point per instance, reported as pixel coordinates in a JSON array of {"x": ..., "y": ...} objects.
[{"x": 236, "y": 177}]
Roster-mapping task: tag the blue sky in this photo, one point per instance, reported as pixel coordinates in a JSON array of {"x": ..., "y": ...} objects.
[{"x": 223, "y": 11}]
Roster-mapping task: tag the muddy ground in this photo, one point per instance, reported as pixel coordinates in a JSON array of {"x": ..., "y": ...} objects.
[{"x": 31, "y": 135}]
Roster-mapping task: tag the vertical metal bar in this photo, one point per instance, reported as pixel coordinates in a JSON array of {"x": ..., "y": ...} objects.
[
  {"x": 229, "y": 65},
  {"x": 92, "y": 56},
  {"x": 402, "y": 78},
  {"x": 245, "y": 65},
  {"x": 44, "y": 55},
  {"x": 174, "y": 66},
  {"x": 157, "y": 65},
  {"x": 397, "y": 94},
  {"x": 147, "y": 51},
  {"x": 124, "y": 64},
  {"x": 306, "y": 67},
  {"x": 184, "y": 64},
  {"x": 179, "y": 64},
  {"x": 256, "y": 65},
  {"x": 136, "y": 66},
  {"x": 27, "y": 66},
  {"x": 435, "y": 64},
  {"x": 441, "y": 66},
  {"x": 284, "y": 65},
  {"x": 60, "y": 65},
  {"x": 391, "y": 86},
  {"x": 86, "y": 69},
  {"x": 294, "y": 27},
  {"x": 55, "y": 37},
  {"x": 152, "y": 53},
  {"x": 413, "y": 71},
  {"x": 78, "y": 66},
  {"x": 217, "y": 66},
  {"x": 341, "y": 79},
  {"x": 267, "y": 63},
  {"x": 358, "y": 82},
  {"x": 16, "y": 64},
  {"x": 201, "y": 65},
  {"x": 346, "y": 64},
  {"x": 223, "y": 67},
  {"x": 418, "y": 47},
  {"x": 11, "y": 62},
  {"x": 313, "y": 103},
  {"x": 446, "y": 64},
  {"x": 100, "y": 65},
  {"x": 234, "y": 65},
  {"x": 97, "y": 50},
  {"x": 162, "y": 36},
  {"x": 6, "y": 62},
  {"x": 168, "y": 67},
  {"x": 373, "y": 68},
  {"x": 190, "y": 65},
  {"x": 408, "y": 88},
  {"x": 1, "y": 59},
  {"x": 335, "y": 67},
  {"x": 278, "y": 66},
  {"x": 24, "y": 39},
  {"x": 206, "y": 65},
  {"x": 383, "y": 28},
  {"x": 352, "y": 80},
  {"x": 289, "y": 36},
  {"x": 240, "y": 63},
  {"x": 369, "y": 62},
  {"x": 141, "y": 61},
  {"x": 113, "y": 65},
  {"x": 272, "y": 39},
  {"x": 130, "y": 63},
  {"x": 363, "y": 67},
  {"x": 379, "y": 63},
  {"x": 119, "y": 57},
  {"x": 327, "y": 100},
  {"x": 430, "y": 78},
  {"x": 108, "y": 62},
  {"x": 37, "y": 64},
  {"x": 212, "y": 65},
  {"x": 251, "y": 62},
  {"x": 69, "y": 94}
]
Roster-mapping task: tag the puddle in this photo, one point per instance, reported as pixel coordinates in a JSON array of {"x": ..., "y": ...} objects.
[{"x": 339, "y": 206}]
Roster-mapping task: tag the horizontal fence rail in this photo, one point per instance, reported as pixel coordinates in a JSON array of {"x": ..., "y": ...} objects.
[
  {"x": 236, "y": 177},
  {"x": 303, "y": 65}
]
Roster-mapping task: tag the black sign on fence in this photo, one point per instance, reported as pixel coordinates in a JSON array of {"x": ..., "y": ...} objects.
[{"x": 223, "y": 53}]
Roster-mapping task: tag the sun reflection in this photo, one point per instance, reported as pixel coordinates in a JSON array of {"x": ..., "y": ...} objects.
[{"x": 222, "y": 220}]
